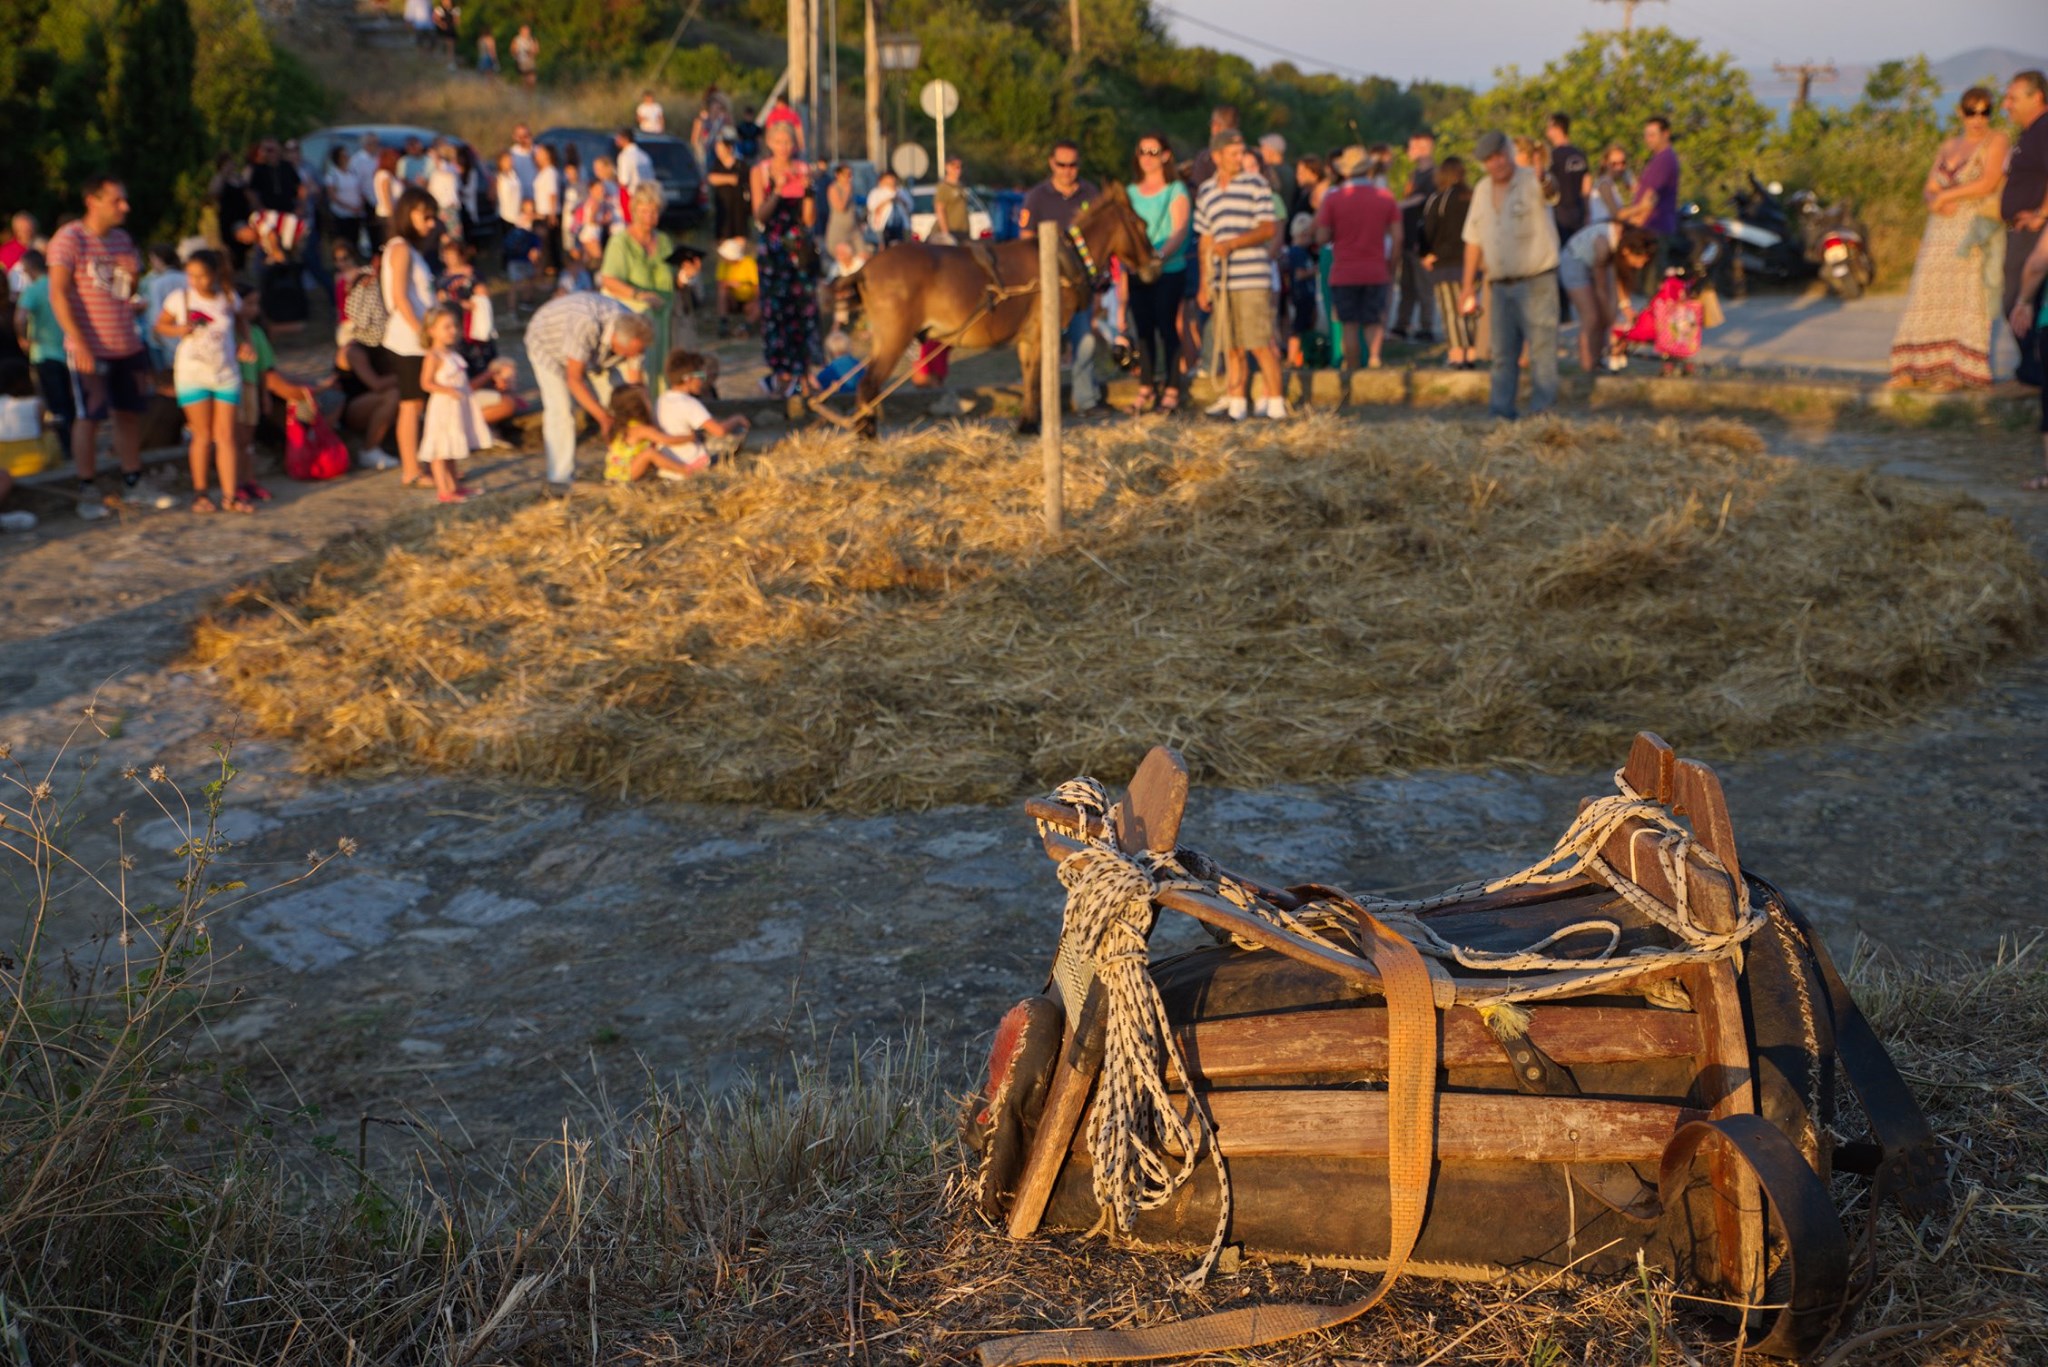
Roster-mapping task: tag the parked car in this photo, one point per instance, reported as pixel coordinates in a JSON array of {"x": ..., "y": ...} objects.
[
  {"x": 980, "y": 222},
  {"x": 316, "y": 147},
  {"x": 675, "y": 166}
]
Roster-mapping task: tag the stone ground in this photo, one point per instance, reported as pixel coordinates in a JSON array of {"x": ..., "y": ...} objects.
[{"x": 493, "y": 952}]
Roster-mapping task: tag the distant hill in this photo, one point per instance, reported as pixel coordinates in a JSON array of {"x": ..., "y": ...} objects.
[{"x": 1956, "y": 74}]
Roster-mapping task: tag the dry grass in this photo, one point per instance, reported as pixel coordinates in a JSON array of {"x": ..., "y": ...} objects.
[
  {"x": 152, "y": 1210},
  {"x": 882, "y": 627}
]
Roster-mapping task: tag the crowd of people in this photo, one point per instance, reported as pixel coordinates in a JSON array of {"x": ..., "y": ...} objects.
[
  {"x": 1269, "y": 263},
  {"x": 1266, "y": 263}
]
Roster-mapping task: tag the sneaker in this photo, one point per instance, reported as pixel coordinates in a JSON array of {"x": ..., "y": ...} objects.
[
  {"x": 553, "y": 490},
  {"x": 377, "y": 458},
  {"x": 1231, "y": 407},
  {"x": 20, "y": 521},
  {"x": 1275, "y": 407},
  {"x": 136, "y": 494},
  {"x": 91, "y": 508}
]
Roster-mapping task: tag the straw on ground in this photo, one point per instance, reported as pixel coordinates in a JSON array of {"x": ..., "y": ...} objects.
[{"x": 872, "y": 627}]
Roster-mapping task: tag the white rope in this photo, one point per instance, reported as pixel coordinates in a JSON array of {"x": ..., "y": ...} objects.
[{"x": 1134, "y": 1127}]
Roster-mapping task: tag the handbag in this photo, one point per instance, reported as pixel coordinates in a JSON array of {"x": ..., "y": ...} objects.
[{"x": 312, "y": 449}]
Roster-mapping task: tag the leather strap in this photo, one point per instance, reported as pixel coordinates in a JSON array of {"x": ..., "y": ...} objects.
[
  {"x": 1816, "y": 1252},
  {"x": 1411, "y": 1153},
  {"x": 1911, "y": 1164}
]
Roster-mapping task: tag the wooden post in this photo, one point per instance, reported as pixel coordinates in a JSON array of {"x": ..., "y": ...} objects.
[
  {"x": 1049, "y": 374},
  {"x": 871, "y": 87}
]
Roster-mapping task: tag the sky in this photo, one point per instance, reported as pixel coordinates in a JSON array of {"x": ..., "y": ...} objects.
[{"x": 1465, "y": 40}]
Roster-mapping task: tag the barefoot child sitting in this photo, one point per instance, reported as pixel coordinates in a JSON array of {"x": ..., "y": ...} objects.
[
  {"x": 639, "y": 448},
  {"x": 686, "y": 424}
]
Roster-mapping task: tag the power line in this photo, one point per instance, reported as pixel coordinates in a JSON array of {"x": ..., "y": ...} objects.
[{"x": 1218, "y": 29}]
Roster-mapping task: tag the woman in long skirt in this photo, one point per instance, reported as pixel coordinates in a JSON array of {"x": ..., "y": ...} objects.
[{"x": 1944, "y": 337}]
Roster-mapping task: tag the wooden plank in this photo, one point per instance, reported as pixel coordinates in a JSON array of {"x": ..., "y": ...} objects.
[
  {"x": 1726, "y": 1084},
  {"x": 1471, "y": 1126},
  {"x": 1651, "y": 764},
  {"x": 1354, "y": 1040},
  {"x": 1059, "y": 1122},
  {"x": 1149, "y": 816}
]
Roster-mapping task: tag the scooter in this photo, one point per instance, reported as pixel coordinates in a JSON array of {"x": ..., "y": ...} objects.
[
  {"x": 1836, "y": 245},
  {"x": 1763, "y": 240}
]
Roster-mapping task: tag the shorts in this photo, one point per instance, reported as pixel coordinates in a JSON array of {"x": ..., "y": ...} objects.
[
  {"x": 230, "y": 394},
  {"x": 124, "y": 384},
  {"x": 1251, "y": 318},
  {"x": 404, "y": 369},
  {"x": 1572, "y": 273},
  {"x": 1364, "y": 304}
]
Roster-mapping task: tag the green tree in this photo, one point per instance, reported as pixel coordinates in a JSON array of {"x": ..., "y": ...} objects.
[
  {"x": 27, "y": 68},
  {"x": 152, "y": 133},
  {"x": 1874, "y": 154},
  {"x": 1609, "y": 88}
]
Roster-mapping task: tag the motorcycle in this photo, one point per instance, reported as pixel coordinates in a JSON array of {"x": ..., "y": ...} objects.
[
  {"x": 1763, "y": 239},
  {"x": 1835, "y": 244}
]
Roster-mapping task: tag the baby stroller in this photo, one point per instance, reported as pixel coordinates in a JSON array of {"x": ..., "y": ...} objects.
[{"x": 1673, "y": 323}]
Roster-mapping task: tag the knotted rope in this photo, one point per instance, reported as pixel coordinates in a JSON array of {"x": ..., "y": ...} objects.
[{"x": 1135, "y": 1126}]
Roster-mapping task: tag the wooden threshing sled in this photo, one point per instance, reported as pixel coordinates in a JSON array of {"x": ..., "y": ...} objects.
[{"x": 1633, "y": 1046}]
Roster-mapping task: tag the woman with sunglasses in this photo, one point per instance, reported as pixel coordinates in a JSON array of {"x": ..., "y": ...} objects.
[
  {"x": 1943, "y": 341},
  {"x": 1161, "y": 199},
  {"x": 1613, "y": 187}
]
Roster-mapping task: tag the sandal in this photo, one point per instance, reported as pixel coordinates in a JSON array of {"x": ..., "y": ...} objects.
[
  {"x": 252, "y": 492},
  {"x": 454, "y": 496},
  {"x": 202, "y": 504},
  {"x": 1147, "y": 396},
  {"x": 237, "y": 505},
  {"x": 1169, "y": 400}
]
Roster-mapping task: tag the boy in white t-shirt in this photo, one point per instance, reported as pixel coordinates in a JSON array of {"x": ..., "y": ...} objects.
[{"x": 697, "y": 437}]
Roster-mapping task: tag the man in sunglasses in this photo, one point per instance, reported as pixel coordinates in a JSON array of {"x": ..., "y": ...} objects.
[{"x": 1054, "y": 201}]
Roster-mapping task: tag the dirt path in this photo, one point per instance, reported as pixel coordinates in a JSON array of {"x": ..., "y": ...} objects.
[{"x": 489, "y": 947}]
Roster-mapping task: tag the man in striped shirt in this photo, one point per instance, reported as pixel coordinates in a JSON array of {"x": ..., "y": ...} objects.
[
  {"x": 1234, "y": 220},
  {"x": 573, "y": 342}
]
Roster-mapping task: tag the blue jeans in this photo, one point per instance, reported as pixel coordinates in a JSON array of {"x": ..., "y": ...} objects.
[
  {"x": 1081, "y": 336},
  {"x": 1524, "y": 310}
]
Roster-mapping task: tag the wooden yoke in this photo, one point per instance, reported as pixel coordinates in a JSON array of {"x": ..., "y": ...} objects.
[{"x": 1148, "y": 817}]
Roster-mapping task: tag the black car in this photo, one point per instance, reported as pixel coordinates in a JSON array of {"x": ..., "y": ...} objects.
[{"x": 675, "y": 166}]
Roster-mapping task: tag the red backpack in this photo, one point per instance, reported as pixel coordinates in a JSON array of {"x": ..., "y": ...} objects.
[{"x": 312, "y": 450}]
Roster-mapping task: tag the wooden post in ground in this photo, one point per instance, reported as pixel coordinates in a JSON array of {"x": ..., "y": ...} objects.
[{"x": 1049, "y": 374}]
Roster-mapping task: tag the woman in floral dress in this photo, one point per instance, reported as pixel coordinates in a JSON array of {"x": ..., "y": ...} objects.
[
  {"x": 1944, "y": 338},
  {"x": 785, "y": 209}
]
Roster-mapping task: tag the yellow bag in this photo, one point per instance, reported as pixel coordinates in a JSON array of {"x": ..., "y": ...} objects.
[{"x": 1710, "y": 308}]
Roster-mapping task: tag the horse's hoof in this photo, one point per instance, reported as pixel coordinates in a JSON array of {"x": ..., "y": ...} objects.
[{"x": 1028, "y": 427}]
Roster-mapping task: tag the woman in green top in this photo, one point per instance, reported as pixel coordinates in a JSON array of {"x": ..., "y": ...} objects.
[
  {"x": 637, "y": 272},
  {"x": 1162, "y": 202}
]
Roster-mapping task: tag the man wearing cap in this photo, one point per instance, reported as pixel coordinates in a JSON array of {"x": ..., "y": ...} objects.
[
  {"x": 1510, "y": 235},
  {"x": 1234, "y": 220},
  {"x": 1356, "y": 219}
]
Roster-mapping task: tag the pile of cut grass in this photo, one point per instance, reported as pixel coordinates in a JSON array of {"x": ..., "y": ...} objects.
[{"x": 874, "y": 627}]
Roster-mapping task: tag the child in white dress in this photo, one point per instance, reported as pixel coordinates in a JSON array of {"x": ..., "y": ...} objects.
[{"x": 451, "y": 429}]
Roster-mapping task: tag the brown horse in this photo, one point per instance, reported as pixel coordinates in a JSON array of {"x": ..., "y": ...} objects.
[{"x": 984, "y": 295}]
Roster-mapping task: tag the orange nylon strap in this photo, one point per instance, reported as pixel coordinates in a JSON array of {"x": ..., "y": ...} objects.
[{"x": 1411, "y": 1150}]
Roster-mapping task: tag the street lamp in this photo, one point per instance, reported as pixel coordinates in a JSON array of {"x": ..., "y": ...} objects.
[{"x": 899, "y": 52}]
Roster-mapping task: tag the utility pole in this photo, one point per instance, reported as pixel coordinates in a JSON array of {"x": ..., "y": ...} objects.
[
  {"x": 799, "y": 54},
  {"x": 1806, "y": 73},
  {"x": 833, "y": 58},
  {"x": 871, "y": 86},
  {"x": 1628, "y": 16}
]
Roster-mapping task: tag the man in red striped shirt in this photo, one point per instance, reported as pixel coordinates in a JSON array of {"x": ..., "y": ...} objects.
[{"x": 94, "y": 270}]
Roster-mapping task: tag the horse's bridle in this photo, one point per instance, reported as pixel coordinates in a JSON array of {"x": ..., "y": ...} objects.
[{"x": 1096, "y": 280}]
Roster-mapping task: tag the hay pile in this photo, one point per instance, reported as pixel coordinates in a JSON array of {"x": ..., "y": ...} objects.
[{"x": 875, "y": 627}]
